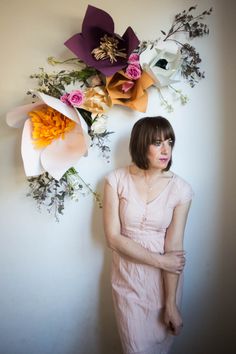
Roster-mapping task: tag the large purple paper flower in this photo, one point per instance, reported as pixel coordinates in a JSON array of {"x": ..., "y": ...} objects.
[{"x": 98, "y": 46}]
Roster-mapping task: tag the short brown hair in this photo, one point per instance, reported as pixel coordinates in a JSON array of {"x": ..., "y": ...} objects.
[{"x": 144, "y": 133}]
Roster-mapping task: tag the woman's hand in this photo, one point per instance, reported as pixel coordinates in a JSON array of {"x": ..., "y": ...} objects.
[
  {"x": 173, "y": 319},
  {"x": 173, "y": 261}
]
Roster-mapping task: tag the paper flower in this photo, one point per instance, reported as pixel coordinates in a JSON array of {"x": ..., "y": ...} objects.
[
  {"x": 162, "y": 65},
  {"x": 96, "y": 101},
  {"x": 53, "y": 139},
  {"x": 98, "y": 46},
  {"x": 126, "y": 92}
]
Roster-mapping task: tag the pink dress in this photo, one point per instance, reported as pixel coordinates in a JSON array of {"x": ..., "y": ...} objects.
[{"x": 137, "y": 289}]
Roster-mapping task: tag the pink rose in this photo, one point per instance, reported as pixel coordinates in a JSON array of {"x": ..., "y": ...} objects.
[
  {"x": 133, "y": 72},
  {"x": 127, "y": 86},
  {"x": 134, "y": 59},
  {"x": 64, "y": 99},
  {"x": 76, "y": 98}
]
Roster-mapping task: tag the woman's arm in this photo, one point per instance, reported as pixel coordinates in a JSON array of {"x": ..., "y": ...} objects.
[
  {"x": 171, "y": 262},
  {"x": 174, "y": 241}
]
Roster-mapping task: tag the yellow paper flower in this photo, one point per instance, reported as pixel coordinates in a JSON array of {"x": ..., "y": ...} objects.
[
  {"x": 53, "y": 138},
  {"x": 96, "y": 101},
  {"x": 48, "y": 125}
]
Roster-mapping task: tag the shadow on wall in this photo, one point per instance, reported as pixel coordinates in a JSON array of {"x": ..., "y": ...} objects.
[
  {"x": 217, "y": 333},
  {"x": 227, "y": 288},
  {"x": 107, "y": 329}
]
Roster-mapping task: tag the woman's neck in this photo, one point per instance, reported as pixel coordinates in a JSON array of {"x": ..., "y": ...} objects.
[{"x": 149, "y": 174}]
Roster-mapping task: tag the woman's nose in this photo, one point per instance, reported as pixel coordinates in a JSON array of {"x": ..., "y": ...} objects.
[{"x": 164, "y": 148}]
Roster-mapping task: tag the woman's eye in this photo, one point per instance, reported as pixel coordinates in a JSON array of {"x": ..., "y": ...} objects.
[
  {"x": 157, "y": 143},
  {"x": 170, "y": 141}
]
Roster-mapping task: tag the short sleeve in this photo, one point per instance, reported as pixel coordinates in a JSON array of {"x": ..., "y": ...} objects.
[
  {"x": 111, "y": 179},
  {"x": 185, "y": 192},
  {"x": 117, "y": 179}
]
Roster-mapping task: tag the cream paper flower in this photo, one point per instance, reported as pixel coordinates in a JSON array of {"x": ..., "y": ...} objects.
[
  {"x": 96, "y": 101},
  {"x": 162, "y": 65}
]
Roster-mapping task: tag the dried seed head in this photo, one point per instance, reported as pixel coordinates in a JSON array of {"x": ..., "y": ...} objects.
[{"x": 108, "y": 49}]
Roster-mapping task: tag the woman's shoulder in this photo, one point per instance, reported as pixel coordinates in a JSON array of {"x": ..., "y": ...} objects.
[
  {"x": 118, "y": 172},
  {"x": 180, "y": 181},
  {"x": 182, "y": 188},
  {"x": 116, "y": 176}
]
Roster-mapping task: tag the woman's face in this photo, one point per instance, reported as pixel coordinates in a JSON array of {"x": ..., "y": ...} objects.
[{"x": 159, "y": 153}]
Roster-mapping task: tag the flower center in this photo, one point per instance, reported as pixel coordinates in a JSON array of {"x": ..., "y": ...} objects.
[
  {"x": 108, "y": 49},
  {"x": 48, "y": 125},
  {"x": 162, "y": 63}
]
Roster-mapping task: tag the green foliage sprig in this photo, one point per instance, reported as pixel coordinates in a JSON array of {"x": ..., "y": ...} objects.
[
  {"x": 54, "y": 84},
  {"x": 51, "y": 193}
]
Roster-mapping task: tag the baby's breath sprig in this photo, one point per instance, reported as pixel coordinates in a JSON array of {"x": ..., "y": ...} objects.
[
  {"x": 183, "y": 98},
  {"x": 96, "y": 195},
  {"x": 165, "y": 103}
]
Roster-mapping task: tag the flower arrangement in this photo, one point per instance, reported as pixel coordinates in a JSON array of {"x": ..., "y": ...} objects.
[{"x": 69, "y": 110}]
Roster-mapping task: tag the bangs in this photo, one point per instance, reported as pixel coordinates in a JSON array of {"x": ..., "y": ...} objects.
[{"x": 163, "y": 131}]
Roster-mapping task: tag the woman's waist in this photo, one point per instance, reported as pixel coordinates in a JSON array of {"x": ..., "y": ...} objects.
[{"x": 141, "y": 233}]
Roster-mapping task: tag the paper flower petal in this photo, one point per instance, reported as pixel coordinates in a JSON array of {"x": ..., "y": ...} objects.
[
  {"x": 62, "y": 154},
  {"x": 97, "y": 18},
  {"x": 18, "y": 116},
  {"x": 30, "y": 155},
  {"x": 59, "y": 106}
]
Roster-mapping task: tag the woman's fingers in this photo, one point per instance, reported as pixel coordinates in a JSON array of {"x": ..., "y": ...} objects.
[
  {"x": 174, "y": 261},
  {"x": 182, "y": 261},
  {"x": 180, "y": 253}
]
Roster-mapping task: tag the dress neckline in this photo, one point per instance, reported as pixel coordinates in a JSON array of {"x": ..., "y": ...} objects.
[{"x": 137, "y": 193}]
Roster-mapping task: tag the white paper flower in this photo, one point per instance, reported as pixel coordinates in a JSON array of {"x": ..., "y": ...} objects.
[
  {"x": 99, "y": 125},
  {"x": 59, "y": 153},
  {"x": 161, "y": 64}
]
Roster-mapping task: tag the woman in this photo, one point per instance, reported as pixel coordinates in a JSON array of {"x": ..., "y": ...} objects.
[{"x": 145, "y": 212}]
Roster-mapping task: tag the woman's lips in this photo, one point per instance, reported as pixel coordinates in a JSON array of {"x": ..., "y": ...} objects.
[{"x": 164, "y": 159}]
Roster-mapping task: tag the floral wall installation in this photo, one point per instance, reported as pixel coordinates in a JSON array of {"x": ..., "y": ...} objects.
[{"x": 71, "y": 107}]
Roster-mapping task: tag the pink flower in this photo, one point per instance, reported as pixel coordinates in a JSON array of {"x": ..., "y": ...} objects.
[
  {"x": 76, "y": 98},
  {"x": 127, "y": 86},
  {"x": 133, "y": 72},
  {"x": 134, "y": 59},
  {"x": 64, "y": 99}
]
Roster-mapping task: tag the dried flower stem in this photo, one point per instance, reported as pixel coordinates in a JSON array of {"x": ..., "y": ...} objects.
[
  {"x": 53, "y": 61},
  {"x": 96, "y": 195}
]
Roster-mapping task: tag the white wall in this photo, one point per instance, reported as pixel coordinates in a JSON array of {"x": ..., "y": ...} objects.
[{"x": 55, "y": 293}]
